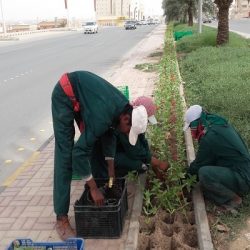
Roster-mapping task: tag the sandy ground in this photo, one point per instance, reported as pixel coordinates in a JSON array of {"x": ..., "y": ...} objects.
[{"x": 242, "y": 242}]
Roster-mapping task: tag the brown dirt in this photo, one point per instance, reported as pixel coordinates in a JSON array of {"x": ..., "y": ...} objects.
[
  {"x": 171, "y": 138},
  {"x": 166, "y": 231},
  {"x": 225, "y": 238}
]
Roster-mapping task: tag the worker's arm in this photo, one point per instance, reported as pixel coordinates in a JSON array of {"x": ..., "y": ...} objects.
[
  {"x": 204, "y": 157},
  {"x": 109, "y": 141},
  {"x": 81, "y": 164}
]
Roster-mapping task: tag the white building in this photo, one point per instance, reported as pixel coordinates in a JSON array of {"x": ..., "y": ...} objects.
[
  {"x": 239, "y": 9},
  {"x": 114, "y": 12}
]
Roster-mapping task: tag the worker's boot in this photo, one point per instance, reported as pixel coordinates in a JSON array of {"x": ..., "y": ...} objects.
[
  {"x": 233, "y": 205},
  {"x": 235, "y": 202},
  {"x": 64, "y": 228}
]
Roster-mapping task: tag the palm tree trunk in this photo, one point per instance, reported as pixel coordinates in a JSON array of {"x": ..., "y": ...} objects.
[
  {"x": 190, "y": 13},
  {"x": 223, "y": 26}
]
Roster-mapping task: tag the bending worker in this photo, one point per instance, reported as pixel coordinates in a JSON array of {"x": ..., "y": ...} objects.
[
  {"x": 222, "y": 162},
  {"x": 99, "y": 109},
  {"x": 130, "y": 156}
]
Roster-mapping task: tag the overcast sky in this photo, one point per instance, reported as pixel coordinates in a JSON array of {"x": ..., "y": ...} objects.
[{"x": 20, "y": 10}]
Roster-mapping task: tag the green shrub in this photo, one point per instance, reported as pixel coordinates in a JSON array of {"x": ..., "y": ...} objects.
[{"x": 219, "y": 78}]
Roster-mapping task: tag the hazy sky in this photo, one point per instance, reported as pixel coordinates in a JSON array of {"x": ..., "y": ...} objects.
[{"x": 19, "y": 10}]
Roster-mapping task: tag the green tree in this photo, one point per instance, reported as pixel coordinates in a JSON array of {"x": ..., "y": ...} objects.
[
  {"x": 185, "y": 10},
  {"x": 180, "y": 10},
  {"x": 223, "y": 26}
]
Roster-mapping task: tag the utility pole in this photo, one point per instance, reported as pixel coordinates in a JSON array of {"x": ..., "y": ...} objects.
[
  {"x": 200, "y": 16},
  {"x": 4, "y": 26},
  {"x": 66, "y": 7},
  {"x": 121, "y": 7}
]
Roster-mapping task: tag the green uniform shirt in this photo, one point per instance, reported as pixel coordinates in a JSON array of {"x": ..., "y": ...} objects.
[
  {"x": 222, "y": 146},
  {"x": 140, "y": 151},
  {"x": 100, "y": 106}
]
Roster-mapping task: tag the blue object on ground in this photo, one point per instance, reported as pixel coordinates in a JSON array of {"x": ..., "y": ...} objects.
[{"x": 28, "y": 244}]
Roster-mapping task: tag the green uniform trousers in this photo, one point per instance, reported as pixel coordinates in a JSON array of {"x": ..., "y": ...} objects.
[
  {"x": 221, "y": 184},
  {"x": 64, "y": 131},
  {"x": 123, "y": 163}
]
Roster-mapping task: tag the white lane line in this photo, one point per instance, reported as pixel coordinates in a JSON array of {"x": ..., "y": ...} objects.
[{"x": 17, "y": 76}]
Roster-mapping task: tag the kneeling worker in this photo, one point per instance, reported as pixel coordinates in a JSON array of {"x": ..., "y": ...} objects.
[{"x": 222, "y": 162}]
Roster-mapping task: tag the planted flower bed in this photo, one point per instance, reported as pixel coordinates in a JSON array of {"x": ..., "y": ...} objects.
[{"x": 167, "y": 220}]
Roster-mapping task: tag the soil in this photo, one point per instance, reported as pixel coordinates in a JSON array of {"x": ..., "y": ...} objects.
[
  {"x": 168, "y": 231},
  {"x": 171, "y": 138}
]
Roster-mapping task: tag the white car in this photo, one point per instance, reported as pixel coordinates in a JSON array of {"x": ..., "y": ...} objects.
[{"x": 90, "y": 27}]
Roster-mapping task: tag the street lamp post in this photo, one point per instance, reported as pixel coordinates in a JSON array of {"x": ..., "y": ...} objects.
[
  {"x": 4, "y": 26},
  {"x": 67, "y": 9},
  {"x": 200, "y": 16}
]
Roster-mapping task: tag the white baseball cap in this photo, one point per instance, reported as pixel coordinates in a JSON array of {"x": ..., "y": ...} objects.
[
  {"x": 139, "y": 123},
  {"x": 192, "y": 113},
  {"x": 149, "y": 105}
]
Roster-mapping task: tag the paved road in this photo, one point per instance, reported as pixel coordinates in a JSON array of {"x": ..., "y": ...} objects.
[
  {"x": 241, "y": 26},
  {"x": 29, "y": 69}
]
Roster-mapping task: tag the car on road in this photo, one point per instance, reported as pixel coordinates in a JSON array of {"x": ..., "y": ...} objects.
[
  {"x": 130, "y": 25},
  {"x": 90, "y": 27},
  {"x": 206, "y": 19}
]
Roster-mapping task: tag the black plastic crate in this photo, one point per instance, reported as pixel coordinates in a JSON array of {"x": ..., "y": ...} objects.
[{"x": 106, "y": 221}]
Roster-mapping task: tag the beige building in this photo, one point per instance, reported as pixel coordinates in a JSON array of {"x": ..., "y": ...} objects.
[
  {"x": 239, "y": 9},
  {"x": 114, "y": 12}
]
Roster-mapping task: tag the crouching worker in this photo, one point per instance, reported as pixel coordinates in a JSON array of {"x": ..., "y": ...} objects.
[
  {"x": 132, "y": 149},
  {"x": 222, "y": 162},
  {"x": 99, "y": 109}
]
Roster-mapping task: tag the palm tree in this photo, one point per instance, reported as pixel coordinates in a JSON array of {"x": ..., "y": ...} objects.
[
  {"x": 180, "y": 10},
  {"x": 190, "y": 11},
  {"x": 223, "y": 26}
]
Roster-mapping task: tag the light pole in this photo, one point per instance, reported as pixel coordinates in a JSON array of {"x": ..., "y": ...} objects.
[
  {"x": 121, "y": 7},
  {"x": 68, "y": 17},
  {"x": 4, "y": 26},
  {"x": 200, "y": 16}
]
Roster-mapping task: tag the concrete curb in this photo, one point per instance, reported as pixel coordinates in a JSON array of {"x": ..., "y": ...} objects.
[
  {"x": 14, "y": 36},
  {"x": 203, "y": 231},
  {"x": 134, "y": 225}
]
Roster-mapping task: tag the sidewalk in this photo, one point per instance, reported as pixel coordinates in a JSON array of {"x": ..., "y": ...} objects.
[{"x": 26, "y": 204}]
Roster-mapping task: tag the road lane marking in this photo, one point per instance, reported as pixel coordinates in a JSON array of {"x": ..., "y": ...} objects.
[
  {"x": 8, "y": 161},
  {"x": 26, "y": 165}
]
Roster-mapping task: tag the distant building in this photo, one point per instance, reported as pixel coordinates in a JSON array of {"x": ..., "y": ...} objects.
[
  {"x": 21, "y": 27},
  {"x": 57, "y": 23},
  {"x": 239, "y": 9},
  {"x": 114, "y": 12}
]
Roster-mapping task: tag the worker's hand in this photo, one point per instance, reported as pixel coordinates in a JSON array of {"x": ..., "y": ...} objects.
[
  {"x": 163, "y": 165},
  {"x": 97, "y": 196},
  {"x": 159, "y": 167}
]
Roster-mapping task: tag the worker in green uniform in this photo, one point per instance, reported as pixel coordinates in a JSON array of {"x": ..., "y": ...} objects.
[
  {"x": 129, "y": 157},
  {"x": 222, "y": 162},
  {"x": 99, "y": 109}
]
